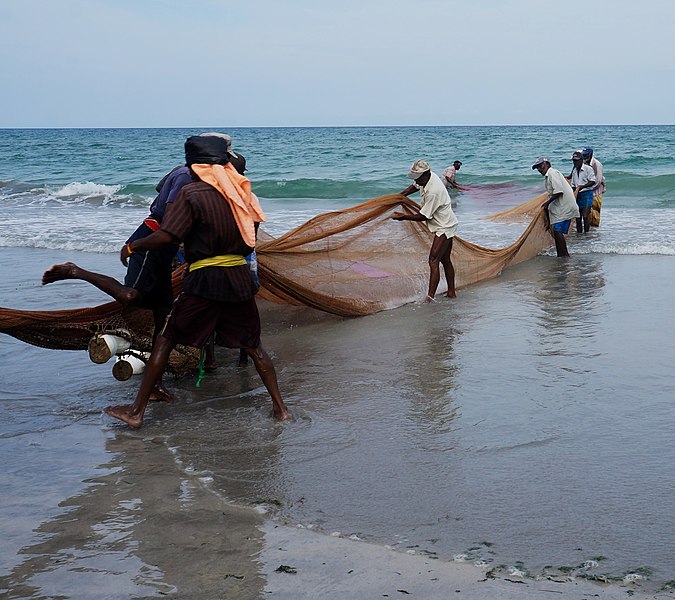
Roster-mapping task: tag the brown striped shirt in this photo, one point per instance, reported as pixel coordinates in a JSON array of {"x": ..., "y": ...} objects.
[{"x": 201, "y": 218}]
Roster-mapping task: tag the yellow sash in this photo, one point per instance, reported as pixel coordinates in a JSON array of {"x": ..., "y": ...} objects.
[{"x": 224, "y": 260}]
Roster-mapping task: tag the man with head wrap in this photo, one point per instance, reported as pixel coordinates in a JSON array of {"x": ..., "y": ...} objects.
[
  {"x": 436, "y": 212},
  {"x": 215, "y": 217}
]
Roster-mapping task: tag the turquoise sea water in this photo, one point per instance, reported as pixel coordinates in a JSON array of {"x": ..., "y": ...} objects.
[
  {"x": 526, "y": 424},
  {"x": 51, "y": 179}
]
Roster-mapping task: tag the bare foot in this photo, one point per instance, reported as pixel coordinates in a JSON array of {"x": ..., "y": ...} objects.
[
  {"x": 451, "y": 294},
  {"x": 123, "y": 413},
  {"x": 429, "y": 300},
  {"x": 281, "y": 414},
  {"x": 161, "y": 394},
  {"x": 58, "y": 272}
]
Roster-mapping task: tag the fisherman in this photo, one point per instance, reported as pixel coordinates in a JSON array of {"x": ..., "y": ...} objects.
[
  {"x": 215, "y": 218},
  {"x": 582, "y": 179},
  {"x": 449, "y": 176},
  {"x": 598, "y": 188},
  {"x": 436, "y": 212},
  {"x": 561, "y": 207}
]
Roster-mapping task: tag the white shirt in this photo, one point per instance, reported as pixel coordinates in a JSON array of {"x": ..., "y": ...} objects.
[
  {"x": 450, "y": 173},
  {"x": 599, "y": 187},
  {"x": 437, "y": 208},
  {"x": 565, "y": 207},
  {"x": 583, "y": 176}
]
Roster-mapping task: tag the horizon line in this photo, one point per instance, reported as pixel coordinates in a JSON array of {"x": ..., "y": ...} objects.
[{"x": 4, "y": 127}]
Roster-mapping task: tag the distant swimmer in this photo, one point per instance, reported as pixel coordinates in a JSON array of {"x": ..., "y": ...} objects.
[
  {"x": 598, "y": 188},
  {"x": 561, "y": 206},
  {"x": 582, "y": 179},
  {"x": 436, "y": 212},
  {"x": 449, "y": 176},
  {"x": 215, "y": 217}
]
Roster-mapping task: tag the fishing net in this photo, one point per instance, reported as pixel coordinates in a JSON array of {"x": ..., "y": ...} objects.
[
  {"x": 73, "y": 329},
  {"x": 351, "y": 262}
]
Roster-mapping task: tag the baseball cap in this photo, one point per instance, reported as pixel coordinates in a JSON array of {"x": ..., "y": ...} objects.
[
  {"x": 587, "y": 151},
  {"x": 419, "y": 167},
  {"x": 539, "y": 161}
]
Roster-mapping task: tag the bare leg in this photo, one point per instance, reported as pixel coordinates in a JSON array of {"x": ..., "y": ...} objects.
[
  {"x": 586, "y": 216},
  {"x": 243, "y": 357},
  {"x": 449, "y": 272},
  {"x": 210, "y": 363},
  {"x": 132, "y": 414},
  {"x": 265, "y": 367},
  {"x": 440, "y": 248},
  {"x": 110, "y": 286},
  {"x": 560, "y": 244}
]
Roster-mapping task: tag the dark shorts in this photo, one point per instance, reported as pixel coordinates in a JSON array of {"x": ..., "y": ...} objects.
[
  {"x": 193, "y": 319},
  {"x": 150, "y": 273},
  {"x": 562, "y": 226},
  {"x": 585, "y": 199}
]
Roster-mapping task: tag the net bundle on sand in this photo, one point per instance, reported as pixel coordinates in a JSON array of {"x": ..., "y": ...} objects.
[{"x": 351, "y": 262}]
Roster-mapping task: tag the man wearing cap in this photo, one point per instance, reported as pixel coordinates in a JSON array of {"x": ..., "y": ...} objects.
[
  {"x": 561, "y": 206},
  {"x": 598, "y": 188},
  {"x": 215, "y": 217},
  {"x": 449, "y": 176},
  {"x": 436, "y": 212},
  {"x": 582, "y": 179}
]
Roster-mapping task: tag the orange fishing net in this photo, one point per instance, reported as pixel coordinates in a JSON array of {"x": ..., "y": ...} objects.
[{"x": 351, "y": 262}]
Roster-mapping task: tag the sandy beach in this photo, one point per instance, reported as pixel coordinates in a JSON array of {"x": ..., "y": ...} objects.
[
  {"x": 148, "y": 528},
  {"x": 535, "y": 449}
]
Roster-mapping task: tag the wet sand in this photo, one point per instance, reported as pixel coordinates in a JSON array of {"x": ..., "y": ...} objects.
[{"x": 531, "y": 437}]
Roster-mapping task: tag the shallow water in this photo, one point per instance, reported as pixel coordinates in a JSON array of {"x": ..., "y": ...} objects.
[{"x": 527, "y": 423}]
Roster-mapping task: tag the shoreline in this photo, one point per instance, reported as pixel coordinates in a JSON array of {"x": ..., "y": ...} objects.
[{"x": 93, "y": 509}]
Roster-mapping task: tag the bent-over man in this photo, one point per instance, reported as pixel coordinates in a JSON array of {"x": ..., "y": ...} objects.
[
  {"x": 436, "y": 211},
  {"x": 561, "y": 206}
]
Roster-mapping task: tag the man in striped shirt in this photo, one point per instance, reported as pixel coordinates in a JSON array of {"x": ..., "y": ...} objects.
[{"x": 218, "y": 292}]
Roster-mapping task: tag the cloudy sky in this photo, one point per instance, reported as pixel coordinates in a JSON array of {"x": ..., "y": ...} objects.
[{"x": 169, "y": 63}]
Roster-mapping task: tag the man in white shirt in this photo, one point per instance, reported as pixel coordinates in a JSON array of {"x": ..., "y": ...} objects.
[
  {"x": 582, "y": 179},
  {"x": 436, "y": 212},
  {"x": 599, "y": 188},
  {"x": 561, "y": 206}
]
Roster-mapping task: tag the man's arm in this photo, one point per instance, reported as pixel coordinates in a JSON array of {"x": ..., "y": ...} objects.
[
  {"x": 411, "y": 189},
  {"x": 154, "y": 241},
  {"x": 545, "y": 205},
  {"x": 401, "y": 216}
]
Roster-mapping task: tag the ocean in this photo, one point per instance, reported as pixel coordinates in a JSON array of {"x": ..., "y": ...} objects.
[{"x": 525, "y": 427}]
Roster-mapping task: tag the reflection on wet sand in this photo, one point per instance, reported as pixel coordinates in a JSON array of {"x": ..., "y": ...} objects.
[{"x": 142, "y": 529}]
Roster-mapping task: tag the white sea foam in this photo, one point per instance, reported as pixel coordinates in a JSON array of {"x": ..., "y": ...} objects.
[{"x": 86, "y": 190}]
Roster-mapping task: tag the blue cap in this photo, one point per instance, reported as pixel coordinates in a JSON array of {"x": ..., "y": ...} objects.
[{"x": 587, "y": 151}]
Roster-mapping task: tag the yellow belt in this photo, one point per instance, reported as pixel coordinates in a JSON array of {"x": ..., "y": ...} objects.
[{"x": 224, "y": 260}]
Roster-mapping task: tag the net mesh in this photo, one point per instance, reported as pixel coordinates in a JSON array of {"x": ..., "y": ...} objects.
[{"x": 351, "y": 262}]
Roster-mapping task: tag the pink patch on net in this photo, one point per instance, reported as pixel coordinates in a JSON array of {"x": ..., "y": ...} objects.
[{"x": 369, "y": 270}]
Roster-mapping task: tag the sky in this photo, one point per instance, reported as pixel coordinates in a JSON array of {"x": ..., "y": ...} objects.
[{"x": 288, "y": 63}]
